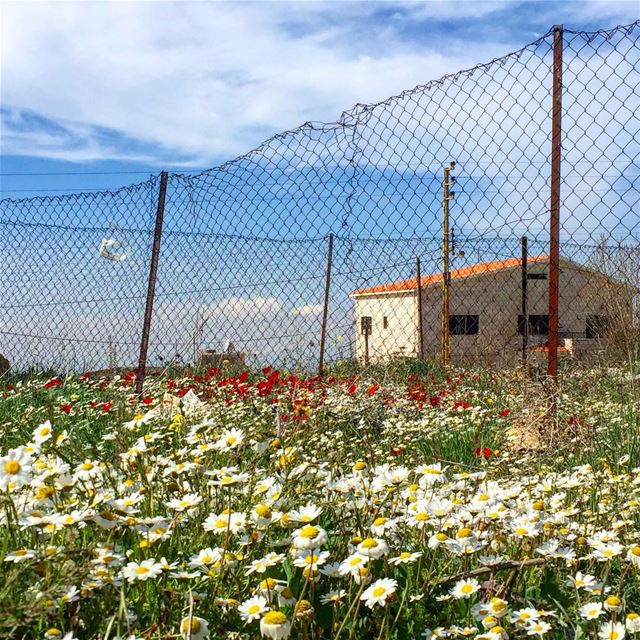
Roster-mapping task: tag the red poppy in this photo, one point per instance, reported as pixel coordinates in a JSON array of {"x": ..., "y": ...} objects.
[
  {"x": 147, "y": 400},
  {"x": 505, "y": 412},
  {"x": 54, "y": 382},
  {"x": 373, "y": 389},
  {"x": 396, "y": 451},
  {"x": 84, "y": 376},
  {"x": 106, "y": 406},
  {"x": 66, "y": 408},
  {"x": 484, "y": 452},
  {"x": 182, "y": 392},
  {"x": 352, "y": 388}
]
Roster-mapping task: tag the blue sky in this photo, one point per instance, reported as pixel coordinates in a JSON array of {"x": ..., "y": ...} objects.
[{"x": 137, "y": 87}]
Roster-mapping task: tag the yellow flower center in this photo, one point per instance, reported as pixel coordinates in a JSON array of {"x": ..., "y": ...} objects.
[
  {"x": 466, "y": 588},
  {"x": 635, "y": 550},
  {"x": 252, "y": 609},
  {"x": 268, "y": 583},
  {"x": 369, "y": 543},
  {"x": 379, "y": 521},
  {"x": 613, "y": 601},
  {"x": 12, "y": 467},
  {"x": 309, "y": 532},
  {"x": 422, "y": 516},
  {"x": 263, "y": 511},
  {"x": 231, "y": 440},
  {"x": 404, "y": 555},
  {"x": 86, "y": 466},
  {"x": 21, "y": 552},
  {"x": 464, "y": 532},
  {"x": 275, "y": 617},
  {"x": 142, "y": 570},
  {"x": 192, "y": 628},
  {"x": 521, "y": 531},
  {"x": 378, "y": 591}
]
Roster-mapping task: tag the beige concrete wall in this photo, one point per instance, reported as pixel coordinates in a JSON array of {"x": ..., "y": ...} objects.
[
  {"x": 400, "y": 336},
  {"x": 496, "y": 299}
]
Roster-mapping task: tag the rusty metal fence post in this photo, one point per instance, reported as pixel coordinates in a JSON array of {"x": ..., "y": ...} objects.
[
  {"x": 420, "y": 320},
  {"x": 554, "y": 209},
  {"x": 151, "y": 288},
  {"x": 325, "y": 311},
  {"x": 525, "y": 299}
]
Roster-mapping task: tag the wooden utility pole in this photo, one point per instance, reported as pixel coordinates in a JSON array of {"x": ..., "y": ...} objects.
[
  {"x": 447, "y": 196},
  {"x": 151, "y": 286},
  {"x": 554, "y": 209}
]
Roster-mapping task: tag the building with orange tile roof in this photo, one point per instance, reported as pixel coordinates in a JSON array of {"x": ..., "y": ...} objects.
[{"x": 485, "y": 311}]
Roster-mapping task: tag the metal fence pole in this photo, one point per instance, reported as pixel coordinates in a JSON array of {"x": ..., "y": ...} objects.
[
  {"x": 554, "y": 209},
  {"x": 325, "y": 311},
  {"x": 525, "y": 300},
  {"x": 420, "y": 325},
  {"x": 151, "y": 287}
]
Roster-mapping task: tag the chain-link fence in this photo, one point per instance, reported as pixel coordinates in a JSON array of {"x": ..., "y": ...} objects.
[{"x": 244, "y": 254}]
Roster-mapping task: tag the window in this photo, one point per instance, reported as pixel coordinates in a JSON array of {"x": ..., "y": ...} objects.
[
  {"x": 538, "y": 325},
  {"x": 596, "y": 326},
  {"x": 464, "y": 325},
  {"x": 365, "y": 325},
  {"x": 385, "y": 322}
]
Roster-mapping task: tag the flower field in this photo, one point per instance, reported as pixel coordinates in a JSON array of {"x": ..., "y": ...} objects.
[{"x": 396, "y": 504}]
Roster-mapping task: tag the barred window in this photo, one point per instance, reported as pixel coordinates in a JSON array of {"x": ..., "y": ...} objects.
[
  {"x": 538, "y": 325},
  {"x": 464, "y": 325}
]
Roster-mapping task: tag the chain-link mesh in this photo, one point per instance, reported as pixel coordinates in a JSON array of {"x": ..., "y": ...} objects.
[{"x": 244, "y": 251}]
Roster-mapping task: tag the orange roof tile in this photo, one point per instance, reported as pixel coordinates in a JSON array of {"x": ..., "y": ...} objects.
[{"x": 464, "y": 272}]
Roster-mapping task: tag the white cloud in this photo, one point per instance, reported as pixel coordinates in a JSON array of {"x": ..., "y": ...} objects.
[
  {"x": 236, "y": 307},
  {"x": 307, "y": 310},
  {"x": 202, "y": 80}
]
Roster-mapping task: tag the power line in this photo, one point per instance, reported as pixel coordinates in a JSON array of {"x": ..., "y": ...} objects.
[{"x": 91, "y": 173}]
